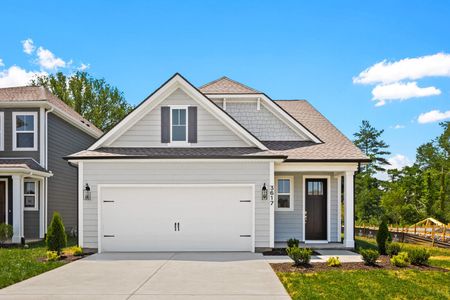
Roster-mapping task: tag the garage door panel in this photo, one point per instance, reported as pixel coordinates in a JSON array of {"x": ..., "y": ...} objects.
[{"x": 210, "y": 218}]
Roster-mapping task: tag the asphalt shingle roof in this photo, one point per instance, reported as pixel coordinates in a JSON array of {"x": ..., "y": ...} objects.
[
  {"x": 25, "y": 163},
  {"x": 225, "y": 85}
]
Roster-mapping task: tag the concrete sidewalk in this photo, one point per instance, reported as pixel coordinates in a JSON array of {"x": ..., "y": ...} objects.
[{"x": 155, "y": 276}]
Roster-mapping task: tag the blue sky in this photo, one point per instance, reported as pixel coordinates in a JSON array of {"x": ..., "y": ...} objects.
[{"x": 289, "y": 49}]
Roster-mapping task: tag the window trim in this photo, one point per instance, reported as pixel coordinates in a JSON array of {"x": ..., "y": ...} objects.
[
  {"x": 179, "y": 143},
  {"x": 291, "y": 193},
  {"x": 14, "y": 129},
  {"x": 36, "y": 197},
  {"x": 2, "y": 131}
]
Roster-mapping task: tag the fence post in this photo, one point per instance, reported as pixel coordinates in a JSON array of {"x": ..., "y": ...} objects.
[
  {"x": 432, "y": 236},
  {"x": 415, "y": 229},
  {"x": 444, "y": 229}
]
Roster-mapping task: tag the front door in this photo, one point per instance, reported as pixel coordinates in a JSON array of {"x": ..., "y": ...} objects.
[
  {"x": 316, "y": 209},
  {"x": 2, "y": 202}
]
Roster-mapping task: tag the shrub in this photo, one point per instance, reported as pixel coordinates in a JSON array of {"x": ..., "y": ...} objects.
[
  {"x": 400, "y": 260},
  {"x": 393, "y": 249},
  {"x": 369, "y": 256},
  {"x": 6, "y": 232},
  {"x": 77, "y": 251},
  {"x": 334, "y": 262},
  {"x": 300, "y": 256},
  {"x": 382, "y": 237},
  {"x": 292, "y": 243},
  {"x": 419, "y": 256},
  {"x": 52, "y": 256},
  {"x": 56, "y": 235}
]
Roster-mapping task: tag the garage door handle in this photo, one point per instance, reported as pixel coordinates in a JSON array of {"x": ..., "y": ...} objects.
[{"x": 178, "y": 224}]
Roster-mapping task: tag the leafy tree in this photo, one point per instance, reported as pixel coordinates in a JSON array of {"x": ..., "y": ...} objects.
[{"x": 94, "y": 99}]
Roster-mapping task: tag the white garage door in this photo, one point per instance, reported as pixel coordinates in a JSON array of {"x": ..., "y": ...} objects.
[{"x": 177, "y": 218}]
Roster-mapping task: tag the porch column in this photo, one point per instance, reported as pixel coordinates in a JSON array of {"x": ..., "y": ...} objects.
[
  {"x": 42, "y": 209},
  {"x": 17, "y": 208},
  {"x": 348, "y": 210}
]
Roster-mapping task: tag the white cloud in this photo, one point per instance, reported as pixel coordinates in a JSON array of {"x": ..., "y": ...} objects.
[
  {"x": 398, "y": 161},
  {"x": 84, "y": 67},
  {"x": 433, "y": 116},
  {"x": 28, "y": 46},
  {"x": 398, "y": 126},
  {"x": 406, "y": 69},
  {"x": 401, "y": 91},
  {"x": 16, "y": 76},
  {"x": 2, "y": 64},
  {"x": 47, "y": 60}
]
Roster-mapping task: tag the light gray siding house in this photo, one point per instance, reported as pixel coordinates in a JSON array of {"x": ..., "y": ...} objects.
[
  {"x": 218, "y": 168},
  {"x": 36, "y": 131}
]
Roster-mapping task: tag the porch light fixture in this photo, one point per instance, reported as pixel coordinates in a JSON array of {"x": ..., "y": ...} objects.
[
  {"x": 87, "y": 192},
  {"x": 264, "y": 192}
]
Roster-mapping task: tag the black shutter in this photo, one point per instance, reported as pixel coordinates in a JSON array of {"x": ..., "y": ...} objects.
[
  {"x": 165, "y": 124},
  {"x": 192, "y": 126}
]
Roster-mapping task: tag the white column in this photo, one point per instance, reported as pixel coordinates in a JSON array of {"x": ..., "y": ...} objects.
[
  {"x": 339, "y": 195},
  {"x": 80, "y": 205},
  {"x": 17, "y": 208},
  {"x": 41, "y": 209},
  {"x": 348, "y": 211},
  {"x": 271, "y": 194}
]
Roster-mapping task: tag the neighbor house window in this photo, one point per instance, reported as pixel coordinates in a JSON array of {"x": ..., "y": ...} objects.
[
  {"x": 179, "y": 124},
  {"x": 2, "y": 131},
  {"x": 30, "y": 195},
  {"x": 24, "y": 131},
  {"x": 285, "y": 193}
]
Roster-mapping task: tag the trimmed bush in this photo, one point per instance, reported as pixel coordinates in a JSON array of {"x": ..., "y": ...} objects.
[
  {"x": 334, "y": 262},
  {"x": 393, "y": 249},
  {"x": 77, "y": 251},
  {"x": 400, "y": 260},
  {"x": 300, "y": 256},
  {"x": 292, "y": 243},
  {"x": 56, "y": 234},
  {"x": 419, "y": 256},
  {"x": 6, "y": 232},
  {"x": 382, "y": 237},
  {"x": 52, "y": 256},
  {"x": 369, "y": 256}
]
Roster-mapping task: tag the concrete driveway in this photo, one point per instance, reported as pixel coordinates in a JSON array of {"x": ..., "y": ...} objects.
[{"x": 155, "y": 276}]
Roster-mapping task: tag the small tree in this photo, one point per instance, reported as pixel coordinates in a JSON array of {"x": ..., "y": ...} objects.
[
  {"x": 6, "y": 232},
  {"x": 56, "y": 235},
  {"x": 383, "y": 237}
]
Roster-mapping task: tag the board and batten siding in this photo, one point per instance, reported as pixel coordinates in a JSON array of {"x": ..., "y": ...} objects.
[
  {"x": 289, "y": 224},
  {"x": 147, "y": 131},
  {"x": 243, "y": 172},
  {"x": 64, "y": 139}
]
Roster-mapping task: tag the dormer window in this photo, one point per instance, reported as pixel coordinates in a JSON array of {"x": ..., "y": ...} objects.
[{"x": 179, "y": 124}]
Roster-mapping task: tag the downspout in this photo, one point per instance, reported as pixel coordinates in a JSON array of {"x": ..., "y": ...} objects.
[{"x": 46, "y": 166}]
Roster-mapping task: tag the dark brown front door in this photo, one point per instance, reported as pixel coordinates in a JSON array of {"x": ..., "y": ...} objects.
[
  {"x": 2, "y": 202},
  {"x": 316, "y": 209}
]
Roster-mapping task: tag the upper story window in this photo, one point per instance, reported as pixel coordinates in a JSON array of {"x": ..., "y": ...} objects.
[
  {"x": 179, "y": 124},
  {"x": 24, "y": 131},
  {"x": 2, "y": 131}
]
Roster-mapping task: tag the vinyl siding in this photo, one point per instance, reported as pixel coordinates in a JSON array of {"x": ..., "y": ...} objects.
[
  {"x": 289, "y": 224},
  {"x": 147, "y": 131},
  {"x": 175, "y": 172},
  {"x": 64, "y": 139},
  {"x": 31, "y": 224}
]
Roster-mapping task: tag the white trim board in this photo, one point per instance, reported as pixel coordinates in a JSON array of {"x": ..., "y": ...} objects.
[
  {"x": 6, "y": 198},
  {"x": 2, "y": 131},
  {"x": 15, "y": 132},
  {"x": 291, "y": 193}
]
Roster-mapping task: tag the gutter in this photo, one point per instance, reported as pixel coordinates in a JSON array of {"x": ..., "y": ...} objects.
[{"x": 273, "y": 157}]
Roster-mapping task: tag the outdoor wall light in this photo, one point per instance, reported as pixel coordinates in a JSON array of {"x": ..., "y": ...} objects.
[
  {"x": 87, "y": 192},
  {"x": 264, "y": 192}
]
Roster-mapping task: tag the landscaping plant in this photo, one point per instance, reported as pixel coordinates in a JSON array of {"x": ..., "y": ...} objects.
[
  {"x": 6, "y": 232},
  {"x": 334, "y": 262},
  {"x": 400, "y": 260},
  {"x": 419, "y": 256},
  {"x": 56, "y": 234},
  {"x": 369, "y": 256},
  {"x": 300, "y": 256},
  {"x": 52, "y": 256},
  {"x": 77, "y": 251},
  {"x": 292, "y": 243},
  {"x": 393, "y": 249},
  {"x": 383, "y": 236}
]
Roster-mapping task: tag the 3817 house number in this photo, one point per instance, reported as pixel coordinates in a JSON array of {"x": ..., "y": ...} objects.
[{"x": 272, "y": 194}]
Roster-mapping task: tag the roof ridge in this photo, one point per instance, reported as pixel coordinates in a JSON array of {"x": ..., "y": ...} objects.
[{"x": 223, "y": 78}]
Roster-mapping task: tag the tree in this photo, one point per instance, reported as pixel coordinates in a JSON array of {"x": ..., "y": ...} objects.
[
  {"x": 368, "y": 139},
  {"x": 94, "y": 99},
  {"x": 382, "y": 237},
  {"x": 56, "y": 234}
]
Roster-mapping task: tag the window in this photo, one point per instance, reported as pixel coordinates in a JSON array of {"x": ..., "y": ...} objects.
[
  {"x": 315, "y": 188},
  {"x": 285, "y": 193},
  {"x": 179, "y": 124},
  {"x": 24, "y": 131},
  {"x": 30, "y": 195},
  {"x": 2, "y": 131}
]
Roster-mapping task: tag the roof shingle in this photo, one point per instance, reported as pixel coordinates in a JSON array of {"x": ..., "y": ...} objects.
[
  {"x": 25, "y": 163},
  {"x": 225, "y": 85}
]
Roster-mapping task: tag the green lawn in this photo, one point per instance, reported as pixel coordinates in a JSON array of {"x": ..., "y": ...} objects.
[
  {"x": 373, "y": 284},
  {"x": 17, "y": 264}
]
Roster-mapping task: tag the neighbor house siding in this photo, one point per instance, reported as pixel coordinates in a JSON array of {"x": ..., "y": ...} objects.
[
  {"x": 147, "y": 131},
  {"x": 64, "y": 139},
  {"x": 289, "y": 224},
  {"x": 31, "y": 224},
  {"x": 96, "y": 173}
]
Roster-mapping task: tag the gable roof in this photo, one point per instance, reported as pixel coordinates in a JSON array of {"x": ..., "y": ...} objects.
[
  {"x": 22, "y": 164},
  {"x": 149, "y": 103},
  {"x": 225, "y": 85},
  {"x": 40, "y": 94}
]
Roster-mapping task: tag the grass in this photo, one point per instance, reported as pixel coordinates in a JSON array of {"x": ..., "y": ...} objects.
[
  {"x": 18, "y": 263},
  {"x": 373, "y": 284}
]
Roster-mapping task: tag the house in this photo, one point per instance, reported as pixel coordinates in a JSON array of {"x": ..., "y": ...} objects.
[
  {"x": 36, "y": 131},
  {"x": 216, "y": 168}
]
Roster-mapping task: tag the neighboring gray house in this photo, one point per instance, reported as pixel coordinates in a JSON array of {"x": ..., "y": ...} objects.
[
  {"x": 216, "y": 168},
  {"x": 36, "y": 131}
]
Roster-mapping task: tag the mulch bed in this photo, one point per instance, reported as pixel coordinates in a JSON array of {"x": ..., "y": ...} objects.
[
  {"x": 67, "y": 258},
  {"x": 281, "y": 251},
  {"x": 383, "y": 263}
]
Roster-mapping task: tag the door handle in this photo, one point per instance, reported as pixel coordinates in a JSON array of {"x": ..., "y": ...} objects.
[
  {"x": 306, "y": 216},
  {"x": 175, "y": 226},
  {"x": 178, "y": 226}
]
